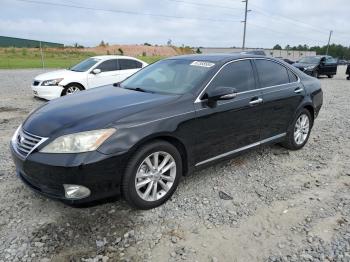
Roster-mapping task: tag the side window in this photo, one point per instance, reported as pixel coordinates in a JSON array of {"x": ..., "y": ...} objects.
[
  {"x": 271, "y": 73},
  {"x": 236, "y": 74},
  {"x": 129, "y": 64},
  {"x": 330, "y": 60},
  {"x": 109, "y": 65},
  {"x": 292, "y": 76}
]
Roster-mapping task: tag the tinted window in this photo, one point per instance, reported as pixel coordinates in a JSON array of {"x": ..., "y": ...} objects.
[
  {"x": 271, "y": 73},
  {"x": 330, "y": 60},
  {"x": 292, "y": 77},
  {"x": 109, "y": 65},
  {"x": 129, "y": 64},
  {"x": 237, "y": 74}
]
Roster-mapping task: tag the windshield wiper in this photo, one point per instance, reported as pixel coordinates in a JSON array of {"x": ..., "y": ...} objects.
[{"x": 139, "y": 89}]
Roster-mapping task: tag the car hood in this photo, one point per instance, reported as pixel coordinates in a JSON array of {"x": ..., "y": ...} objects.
[
  {"x": 64, "y": 73},
  {"x": 303, "y": 65},
  {"x": 96, "y": 108}
]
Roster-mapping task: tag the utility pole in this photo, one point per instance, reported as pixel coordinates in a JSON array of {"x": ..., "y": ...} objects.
[
  {"x": 245, "y": 22},
  {"x": 329, "y": 40},
  {"x": 42, "y": 56}
]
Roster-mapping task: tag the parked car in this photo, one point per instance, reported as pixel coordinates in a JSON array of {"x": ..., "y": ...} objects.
[
  {"x": 343, "y": 62},
  {"x": 167, "y": 120},
  {"x": 286, "y": 60},
  {"x": 92, "y": 72},
  {"x": 317, "y": 65},
  {"x": 348, "y": 72}
]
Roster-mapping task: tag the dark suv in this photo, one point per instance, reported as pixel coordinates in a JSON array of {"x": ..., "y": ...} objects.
[{"x": 318, "y": 65}]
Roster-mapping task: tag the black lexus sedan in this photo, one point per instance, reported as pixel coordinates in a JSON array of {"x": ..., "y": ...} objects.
[
  {"x": 140, "y": 136},
  {"x": 318, "y": 65}
]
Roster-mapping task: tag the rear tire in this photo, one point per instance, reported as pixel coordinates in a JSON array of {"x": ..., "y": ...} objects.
[
  {"x": 315, "y": 74},
  {"x": 71, "y": 89},
  {"x": 299, "y": 131},
  {"x": 147, "y": 183}
]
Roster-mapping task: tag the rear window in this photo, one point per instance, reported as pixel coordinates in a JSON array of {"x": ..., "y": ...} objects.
[
  {"x": 125, "y": 64},
  {"x": 271, "y": 73},
  {"x": 292, "y": 77}
]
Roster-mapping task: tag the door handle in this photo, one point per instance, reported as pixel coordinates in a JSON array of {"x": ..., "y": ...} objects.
[
  {"x": 298, "y": 90},
  {"x": 256, "y": 101}
]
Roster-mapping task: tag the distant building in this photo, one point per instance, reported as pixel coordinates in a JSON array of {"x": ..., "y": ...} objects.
[
  {"x": 290, "y": 54},
  {"x": 6, "y": 41}
]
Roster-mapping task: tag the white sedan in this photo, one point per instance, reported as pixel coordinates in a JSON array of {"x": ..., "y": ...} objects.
[{"x": 92, "y": 72}]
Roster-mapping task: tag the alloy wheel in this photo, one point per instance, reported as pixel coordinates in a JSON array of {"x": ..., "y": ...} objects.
[
  {"x": 301, "y": 129},
  {"x": 72, "y": 90},
  {"x": 155, "y": 176}
]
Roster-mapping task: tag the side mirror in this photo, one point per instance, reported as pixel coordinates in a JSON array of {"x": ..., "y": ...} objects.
[
  {"x": 96, "y": 71},
  {"x": 116, "y": 84},
  {"x": 221, "y": 93}
]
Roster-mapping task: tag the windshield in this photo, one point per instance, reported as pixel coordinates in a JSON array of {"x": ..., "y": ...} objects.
[
  {"x": 85, "y": 65},
  {"x": 173, "y": 76},
  {"x": 310, "y": 60}
]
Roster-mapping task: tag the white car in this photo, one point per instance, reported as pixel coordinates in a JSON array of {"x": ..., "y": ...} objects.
[{"x": 92, "y": 72}]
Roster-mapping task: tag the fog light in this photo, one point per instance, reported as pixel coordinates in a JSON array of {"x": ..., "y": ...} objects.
[{"x": 76, "y": 191}]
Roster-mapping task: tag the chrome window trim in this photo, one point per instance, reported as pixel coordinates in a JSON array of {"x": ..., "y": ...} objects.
[
  {"x": 198, "y": 100},
  {"x": 241, "y": 149}
]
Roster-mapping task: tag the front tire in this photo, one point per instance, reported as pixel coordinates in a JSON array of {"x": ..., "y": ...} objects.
[
  {"x": 330, "y": 76},
  {"x": 72, "y": 89},
  {"x": 299, "y": 131},
  {"x": 152, "y": 175},
  {"x": 315, "y": 74}
]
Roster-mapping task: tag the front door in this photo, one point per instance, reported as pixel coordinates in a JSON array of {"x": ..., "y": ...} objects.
[
  {"x": 328, "y": 66},
  {"x": 230, "y": 125},
  {"x": 109, "y": 74}
]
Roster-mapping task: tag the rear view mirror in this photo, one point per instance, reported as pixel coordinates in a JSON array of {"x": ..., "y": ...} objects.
[
  {"x": 96, "y": 71},
  {"x": 221, "y": 93}
]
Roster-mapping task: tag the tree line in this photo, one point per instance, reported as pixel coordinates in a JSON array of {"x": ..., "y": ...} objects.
[{"x": 338, "y": 51}]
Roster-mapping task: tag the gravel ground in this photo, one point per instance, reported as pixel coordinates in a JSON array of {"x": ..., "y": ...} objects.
[{"x": 285, "y": 206}]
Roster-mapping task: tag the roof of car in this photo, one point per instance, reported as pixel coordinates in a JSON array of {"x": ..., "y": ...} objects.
[
  {"x": 217, "y": 57},
  {"x": 112, "y": 56}
]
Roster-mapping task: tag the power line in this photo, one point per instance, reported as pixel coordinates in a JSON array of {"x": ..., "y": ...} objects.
[
  {"x": 125, "y": 11},
  {"x": 205, "y": 5}
]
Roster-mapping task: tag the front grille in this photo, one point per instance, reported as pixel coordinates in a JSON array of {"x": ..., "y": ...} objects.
[
  {"x": 26, "y": 142},
  {"x": 36, "y": 83}
]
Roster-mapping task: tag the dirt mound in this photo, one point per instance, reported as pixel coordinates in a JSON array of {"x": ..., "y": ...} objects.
[{"x": 137, "y": 50}]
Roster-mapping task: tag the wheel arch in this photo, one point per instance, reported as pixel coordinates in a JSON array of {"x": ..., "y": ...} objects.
[
  {"x": 72, "y": 83},
  {"x": 180, "y": 146}
]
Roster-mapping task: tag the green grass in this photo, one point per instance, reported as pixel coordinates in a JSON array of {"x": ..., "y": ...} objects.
[{"x": 16, "y": 58}]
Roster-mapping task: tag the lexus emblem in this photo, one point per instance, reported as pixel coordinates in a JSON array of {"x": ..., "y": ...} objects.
[{"x": 21, "y": 139}]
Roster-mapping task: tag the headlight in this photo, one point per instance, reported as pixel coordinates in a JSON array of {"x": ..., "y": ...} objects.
[
  {"x": 52, "y": 82},
  {"x": 78, "y": 142},
  {"x": 309, "y": 68}
]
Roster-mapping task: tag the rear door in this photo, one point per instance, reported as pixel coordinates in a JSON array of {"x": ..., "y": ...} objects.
[
  {"x": 282, "y": 93},
  {"x": 128, "y": 67},
  {"x": 230, "y": 125},
  {"x": 109, "y": 74}
]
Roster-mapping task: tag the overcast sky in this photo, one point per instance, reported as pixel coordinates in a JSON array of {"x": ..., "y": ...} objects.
[{"x": 215, "y": 23}]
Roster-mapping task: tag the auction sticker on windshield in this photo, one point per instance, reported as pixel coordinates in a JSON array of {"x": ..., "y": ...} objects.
[{"x": 202, "y": 64}]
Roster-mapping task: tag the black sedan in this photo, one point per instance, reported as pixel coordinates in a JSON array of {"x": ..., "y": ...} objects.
[
  {"x": 177, "y": 115},
  {"x": 318, "y": 65}
]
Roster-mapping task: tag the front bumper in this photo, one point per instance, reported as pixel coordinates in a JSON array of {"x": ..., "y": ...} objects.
[
  {"x": 47, "y": 92},
  {"x": 46, "y": 173},
  {"x": 306, "y": 71}
]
